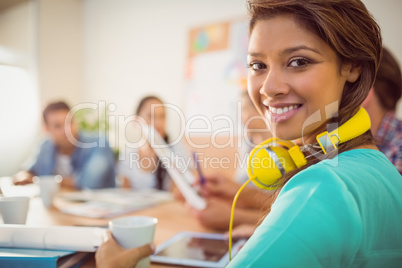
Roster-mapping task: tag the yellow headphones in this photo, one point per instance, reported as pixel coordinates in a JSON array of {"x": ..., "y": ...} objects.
[{"x": 268, "y": 162}]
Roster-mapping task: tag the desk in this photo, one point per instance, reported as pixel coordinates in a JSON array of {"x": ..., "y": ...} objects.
[{"x": 172, "y": 217}]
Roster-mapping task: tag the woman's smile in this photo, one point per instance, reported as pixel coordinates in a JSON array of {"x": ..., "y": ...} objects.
[{"x": 281, "y": 112}]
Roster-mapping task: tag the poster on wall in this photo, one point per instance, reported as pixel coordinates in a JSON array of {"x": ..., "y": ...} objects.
[{"x": 215, "y": 74}]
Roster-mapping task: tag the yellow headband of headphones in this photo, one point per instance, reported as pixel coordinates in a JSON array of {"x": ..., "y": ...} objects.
[{"x": 268, "y": 162}]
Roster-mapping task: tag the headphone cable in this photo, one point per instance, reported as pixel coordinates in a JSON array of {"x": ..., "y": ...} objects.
[{"x": 232, "y": 216}]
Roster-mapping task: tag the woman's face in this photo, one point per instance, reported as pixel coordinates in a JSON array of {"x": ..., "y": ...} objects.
[
  {"x": 293, "y": 74},
  {"x": 154, "y": 114}
]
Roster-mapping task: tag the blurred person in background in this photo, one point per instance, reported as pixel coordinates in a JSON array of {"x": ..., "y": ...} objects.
[
  {"x": 141, "y": 167},
  {"x": 381, "y": 103},
  {"x": 79, "y": 158}
]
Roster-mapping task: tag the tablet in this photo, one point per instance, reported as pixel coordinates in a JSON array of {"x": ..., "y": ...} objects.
[
  {"x": 196, "y": 249},
  {"x": 183, "y": 178}
]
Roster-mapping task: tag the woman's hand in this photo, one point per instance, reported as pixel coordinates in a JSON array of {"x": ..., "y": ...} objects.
[
  {"x": 217, "y": 185},
  {"x": 23, "y": 178},
  {"x": 215, "y": 216},
  {"x": 148, "y": 158},
  {"x": 111, "y": 254},
  {"x": 242, "y": 231}
]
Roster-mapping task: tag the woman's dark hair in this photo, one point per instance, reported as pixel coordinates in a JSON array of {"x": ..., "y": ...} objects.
[
  {"x": 160, "y": 172},
  {"x": 350, "y": 30},
  {"x": 144, "y": 100}
]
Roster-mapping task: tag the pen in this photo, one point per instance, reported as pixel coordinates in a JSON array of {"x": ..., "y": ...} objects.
[{"x": 197, "y": 166}]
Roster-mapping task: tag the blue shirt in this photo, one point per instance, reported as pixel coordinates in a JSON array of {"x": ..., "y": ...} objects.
[
  {"x": 93, "y": 167},
  {"x": 341, "y": 212}
]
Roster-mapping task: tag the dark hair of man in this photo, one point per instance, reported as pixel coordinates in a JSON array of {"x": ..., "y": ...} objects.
[{"x": 54, "y": 106}]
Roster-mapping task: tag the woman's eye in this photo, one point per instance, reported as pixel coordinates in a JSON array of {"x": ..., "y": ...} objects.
[
  {"x": 257, "y": 66},
  {"x": 298, "y": 63}
]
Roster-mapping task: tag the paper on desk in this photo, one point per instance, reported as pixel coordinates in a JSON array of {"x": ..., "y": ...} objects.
[{"x": 53, "y": 237}]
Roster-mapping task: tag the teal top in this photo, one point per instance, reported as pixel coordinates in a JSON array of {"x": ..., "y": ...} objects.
[{"x": 341, "y": 212}]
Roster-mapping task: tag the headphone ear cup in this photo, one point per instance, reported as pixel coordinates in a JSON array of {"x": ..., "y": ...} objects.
[{"x": 268, "y": 164}]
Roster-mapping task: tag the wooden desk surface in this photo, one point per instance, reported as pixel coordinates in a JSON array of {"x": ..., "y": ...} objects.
[{"x": 173, "y": 217}]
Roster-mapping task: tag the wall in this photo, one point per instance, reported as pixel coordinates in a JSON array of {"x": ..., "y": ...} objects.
[
  {"x": 60, "y": 50},
  {"x": 44, "y": 38},
  {"x": 92, "y": 50},
  {"x": 135, "y": 48},
  {"x": 19, "y": 104},
  {"x": 16, "y": 35}
]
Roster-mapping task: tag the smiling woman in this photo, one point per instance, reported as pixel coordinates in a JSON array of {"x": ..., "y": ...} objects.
[
  {"x": 311, "y": 65},
  {"x": 307, "y": 62}
]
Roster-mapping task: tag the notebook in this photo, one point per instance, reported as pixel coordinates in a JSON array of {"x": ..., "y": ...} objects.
[{"x": 17, "y": 257}]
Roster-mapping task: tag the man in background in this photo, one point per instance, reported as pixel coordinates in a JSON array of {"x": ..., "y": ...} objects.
[
  {"x": 381, "y": 104},
  {"x": 75, "y": 155}
]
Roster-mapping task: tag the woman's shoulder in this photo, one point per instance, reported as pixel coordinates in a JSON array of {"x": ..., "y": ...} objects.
[
  {"x": 352, "y": 160},
  {"x": 350, "y": 169}
]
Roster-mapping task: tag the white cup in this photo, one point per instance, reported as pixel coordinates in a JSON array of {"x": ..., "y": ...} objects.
[
  {"x": 14, "y": 209},
  {"x": 49, "y": 186},
  {"x": 134, "y": 231}
]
